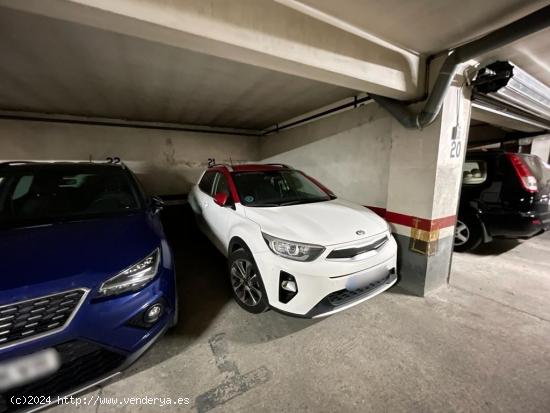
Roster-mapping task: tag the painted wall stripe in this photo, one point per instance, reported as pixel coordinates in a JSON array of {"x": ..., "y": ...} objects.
[{"x": 414, "y": 222}]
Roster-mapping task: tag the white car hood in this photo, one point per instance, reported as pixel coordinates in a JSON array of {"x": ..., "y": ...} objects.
[{"x": 324, "y": 223}]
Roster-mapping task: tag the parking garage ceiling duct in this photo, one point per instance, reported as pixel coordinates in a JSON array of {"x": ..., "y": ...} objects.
[
  {"x": 509, "y": 84},
  {"x": 527, "y": 25},
  {"x": 498, "y": 113}
]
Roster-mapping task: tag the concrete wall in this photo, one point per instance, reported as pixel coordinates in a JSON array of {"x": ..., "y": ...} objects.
[
  {"x": 348, "y": 152},
  {"x": 167, "y": 162}
]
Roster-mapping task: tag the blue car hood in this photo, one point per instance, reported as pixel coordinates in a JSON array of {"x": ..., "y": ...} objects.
[{"x": 44, "y": 259}]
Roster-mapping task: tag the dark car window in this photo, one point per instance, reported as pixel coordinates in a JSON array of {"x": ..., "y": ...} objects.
[
  {"x": 206, "y": 182},
  {"x": 221, "y": 185},
  {"x": 275, "y": 188},
  {"x": 474, "y": 172},
  {"x": 59, "y": 192}
]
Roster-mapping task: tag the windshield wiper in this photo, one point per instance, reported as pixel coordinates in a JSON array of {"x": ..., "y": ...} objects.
[
  {"x": 299, "y": 201},
  {"x": 264, "y": 204},
  {"x": 303, "y": 201}
]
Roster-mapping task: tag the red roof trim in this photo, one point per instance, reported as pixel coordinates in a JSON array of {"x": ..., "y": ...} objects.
[{"x": 256, "y": 167}]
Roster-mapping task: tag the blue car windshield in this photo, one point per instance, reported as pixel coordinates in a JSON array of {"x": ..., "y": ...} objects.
[{"x": 45, "y": 193}]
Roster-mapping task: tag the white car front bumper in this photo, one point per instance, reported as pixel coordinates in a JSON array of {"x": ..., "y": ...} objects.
[{"x": 327, "y": 286}]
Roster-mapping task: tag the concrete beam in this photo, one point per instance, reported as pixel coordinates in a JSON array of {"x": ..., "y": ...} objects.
[
  {"x": 257, "y": 32},
  {"x": 122, "y": 123}
]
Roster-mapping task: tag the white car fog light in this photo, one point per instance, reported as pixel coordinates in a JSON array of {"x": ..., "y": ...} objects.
[
  {"x": 153, "y": 313},
  {"x": 289, "y": 286}
]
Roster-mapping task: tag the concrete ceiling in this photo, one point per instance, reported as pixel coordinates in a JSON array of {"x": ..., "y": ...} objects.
[
  {"x": 81, "y": 65},
  {"x": 431, "y": 26},
  {"x": 53, "y": 66}
]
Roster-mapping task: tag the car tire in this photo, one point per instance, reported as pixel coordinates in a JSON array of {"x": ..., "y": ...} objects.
[
  {"x": 246, "y": 282},
  {"x": 468, "y": 233}
]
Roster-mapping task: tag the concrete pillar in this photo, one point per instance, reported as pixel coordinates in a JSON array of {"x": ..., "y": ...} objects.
[
  {"x": 540, "y": 146},
  {"x": 423, "y": 191}
]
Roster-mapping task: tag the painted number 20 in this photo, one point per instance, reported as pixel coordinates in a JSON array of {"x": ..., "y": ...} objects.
[{"x": 456, "y": 147}]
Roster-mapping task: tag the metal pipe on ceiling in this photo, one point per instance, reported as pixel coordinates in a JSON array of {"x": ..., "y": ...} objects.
[
  {"x": 356, "y": 102},
  {"x": 525, "y": 26},
  {"x": 490, "y": 105}
]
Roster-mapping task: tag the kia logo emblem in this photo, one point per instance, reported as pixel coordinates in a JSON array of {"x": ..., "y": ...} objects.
[{"x": 360, "y": 232}]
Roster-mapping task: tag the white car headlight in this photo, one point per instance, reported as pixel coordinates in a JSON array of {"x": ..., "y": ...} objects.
[
  {"x": 134, "y": 277},
  {"x": 293, "y": 250}
]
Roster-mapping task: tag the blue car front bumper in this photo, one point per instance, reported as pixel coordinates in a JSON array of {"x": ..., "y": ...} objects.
[{"x": 97, "y": 342}]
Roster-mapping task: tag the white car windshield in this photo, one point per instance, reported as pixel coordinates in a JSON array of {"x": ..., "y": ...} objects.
[{"x": 277, "y": 188}]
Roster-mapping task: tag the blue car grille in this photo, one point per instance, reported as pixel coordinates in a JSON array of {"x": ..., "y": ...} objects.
[
  {"x": 27, "y": 319},
  {"x": 82, "y": 363}
]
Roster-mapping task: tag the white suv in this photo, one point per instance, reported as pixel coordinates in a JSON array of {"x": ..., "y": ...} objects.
[{"x": 291, "y": 245}]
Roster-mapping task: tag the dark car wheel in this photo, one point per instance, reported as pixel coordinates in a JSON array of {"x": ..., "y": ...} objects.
[
  {"x": 246, "y": 282},
  {"x": 467, "y": 233}
]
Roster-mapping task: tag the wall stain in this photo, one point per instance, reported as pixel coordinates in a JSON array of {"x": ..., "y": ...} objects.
[
  {"x": 234, "y": 383},
  {"x": 170, "y": 153}
]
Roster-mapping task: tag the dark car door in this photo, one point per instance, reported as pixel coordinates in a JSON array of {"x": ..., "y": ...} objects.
[
  {"x": 481, "y": 183},
  {"x": 541, "y": 201},
  {"x": 484, "y": 190}
]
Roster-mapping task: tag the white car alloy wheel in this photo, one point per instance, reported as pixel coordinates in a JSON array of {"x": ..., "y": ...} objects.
[
  {"x": 245, "y": 282},
  {"x": 462, "y": 233}
]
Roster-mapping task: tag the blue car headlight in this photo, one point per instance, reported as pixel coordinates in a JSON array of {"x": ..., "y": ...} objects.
[{"x": 134, "y": 277}]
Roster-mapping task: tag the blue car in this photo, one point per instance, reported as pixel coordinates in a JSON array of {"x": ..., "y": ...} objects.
[{"x": 87, "y": 280}]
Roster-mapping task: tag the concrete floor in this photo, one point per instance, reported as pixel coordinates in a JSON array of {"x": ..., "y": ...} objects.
[{"x": 481, "y": 345}]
